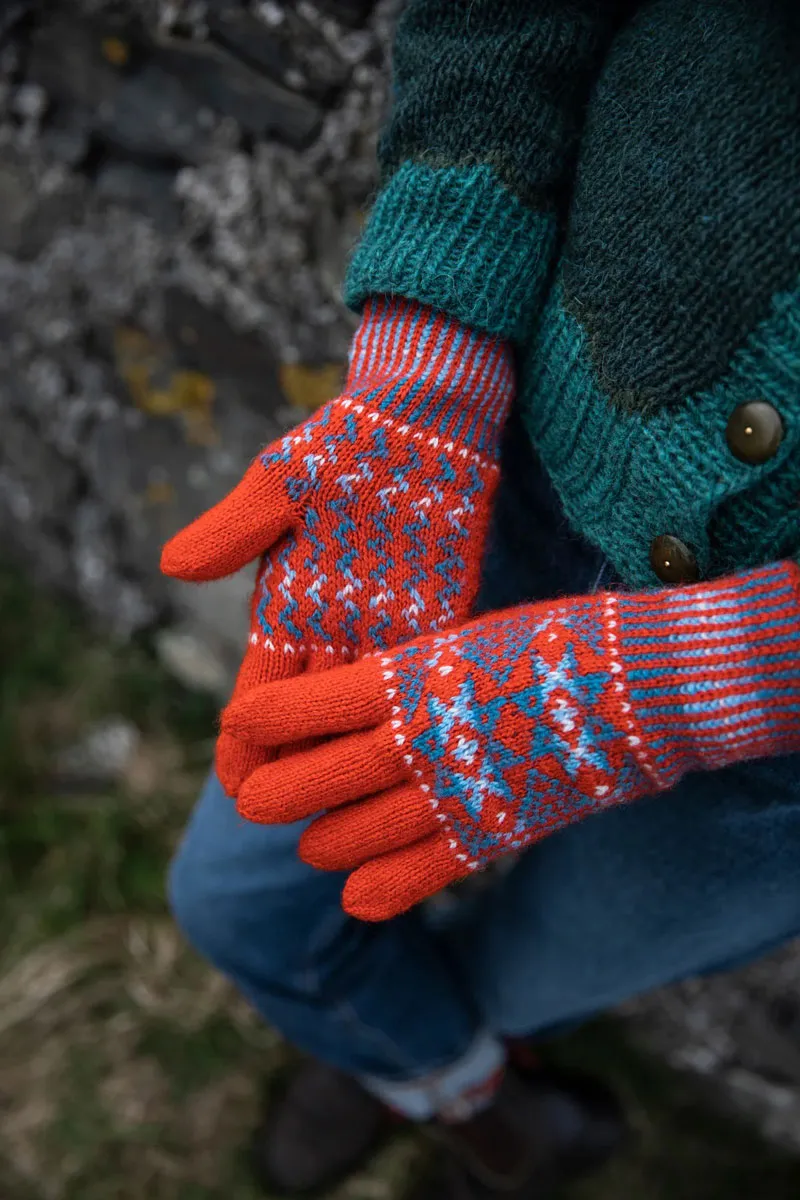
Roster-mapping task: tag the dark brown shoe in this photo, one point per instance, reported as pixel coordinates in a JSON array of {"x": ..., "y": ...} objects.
[
  {"x": 542, "y": 1131},
  {"x": 321, "y": 1130}
]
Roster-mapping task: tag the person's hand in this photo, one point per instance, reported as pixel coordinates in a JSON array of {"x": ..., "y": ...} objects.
[
  {"x": 462, "y": 747},
  {"x": 371, "y": 516}
]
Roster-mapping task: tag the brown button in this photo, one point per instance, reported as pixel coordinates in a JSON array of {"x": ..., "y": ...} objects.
[
  {"x": 673, "y": 561},
  {"x": 754, "y": 433}
]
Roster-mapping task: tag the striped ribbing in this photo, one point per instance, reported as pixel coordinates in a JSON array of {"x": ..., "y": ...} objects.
[
  {"x": 713, "y": 671},
  {"x": 426, "y": 370}
]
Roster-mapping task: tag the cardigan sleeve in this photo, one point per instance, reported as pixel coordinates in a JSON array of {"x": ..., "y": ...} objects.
[{"x": 478, "y": 152}]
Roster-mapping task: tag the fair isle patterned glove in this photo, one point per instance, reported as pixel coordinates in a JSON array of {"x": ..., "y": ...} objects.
[
  {"x": 464, "y": 746},
  {"x": 371, "y": 517}
]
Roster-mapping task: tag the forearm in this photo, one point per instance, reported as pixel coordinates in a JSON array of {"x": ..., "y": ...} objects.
[
  {"x": 478, "y": 153},
  {"x": 463, "y": 746}
]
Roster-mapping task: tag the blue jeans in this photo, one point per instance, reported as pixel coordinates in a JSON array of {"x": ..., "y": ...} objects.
[{"x": 703, "y": 877}]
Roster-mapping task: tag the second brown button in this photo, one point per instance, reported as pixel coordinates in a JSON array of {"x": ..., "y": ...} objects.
[
  {"x": 755, "y": 432},
  {"x": 673, "y": 561}
]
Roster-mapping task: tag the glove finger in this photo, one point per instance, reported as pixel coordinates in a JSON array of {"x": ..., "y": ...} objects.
[
  {"x": 309, "y": 662},
  {"x": 235, "y": 761},
  {"x": 358, "y": 832},
  {"x": 248, "y": 521},
  {"x": 318, "y": 704},
  {"x": 393, "y": 883},
  {"x": 311, "y": 781},
  {"x": 264, "y": 660}
]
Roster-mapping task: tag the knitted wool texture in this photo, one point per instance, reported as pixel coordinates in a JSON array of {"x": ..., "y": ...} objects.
[
  {"x": 483, "y": 93},
  {"x": 645, "y": 257},
  {"x": 371, "y": 516},
  {"x": 465, "y": 746}
]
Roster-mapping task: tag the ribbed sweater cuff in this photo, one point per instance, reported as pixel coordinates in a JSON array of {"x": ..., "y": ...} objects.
[
  {"x": 712, "y": 672},
  {"x": 456, "y": 239},
  {"x": 423, "y": 369}
]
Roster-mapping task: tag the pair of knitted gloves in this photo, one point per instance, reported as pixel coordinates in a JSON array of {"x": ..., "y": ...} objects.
[{"x": 424, "y": 743}]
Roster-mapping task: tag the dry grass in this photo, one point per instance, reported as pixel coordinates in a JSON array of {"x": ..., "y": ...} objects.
[{"x": 128, "y": 1069}]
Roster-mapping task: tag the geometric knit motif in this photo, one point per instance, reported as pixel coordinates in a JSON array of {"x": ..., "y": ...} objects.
[
  {"x": 528, "y": 721},
  {"x": 460, "y": 747},
  {"x": 390, "y": 490},
  {"x": 370, "y": 518},
  {"x": 514, "y": 727}
]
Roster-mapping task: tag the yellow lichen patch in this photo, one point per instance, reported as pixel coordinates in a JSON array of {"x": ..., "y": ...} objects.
[
  {"x": 159, "y": 491},
  {"x": 187, "y": 392},
  {"x": 193, "y": 394},
  {"x": 310, "y": 387},
  {"x": 115, "y": 51},
  {"x": 158, "y": 386}
]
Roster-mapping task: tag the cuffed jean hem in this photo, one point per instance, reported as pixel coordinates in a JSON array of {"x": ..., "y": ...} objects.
[{"x": 421, "y": 1099}]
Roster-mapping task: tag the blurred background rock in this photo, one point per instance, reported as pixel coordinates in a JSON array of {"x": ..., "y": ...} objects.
[{"x": 180, "y": 185}]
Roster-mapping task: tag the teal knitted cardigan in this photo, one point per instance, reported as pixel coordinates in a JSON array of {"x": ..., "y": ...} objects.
[{"x": 615, "y": 187}]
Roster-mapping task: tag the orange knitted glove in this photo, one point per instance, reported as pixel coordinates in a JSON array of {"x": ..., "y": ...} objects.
[
  {"x": 371, "y": 516},
  {"x": 465, "y": 746}
]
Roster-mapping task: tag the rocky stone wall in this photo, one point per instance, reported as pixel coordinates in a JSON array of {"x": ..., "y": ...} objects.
[
  {"x": 179, "y": 188},
  {"x": 180, "y": 184}
]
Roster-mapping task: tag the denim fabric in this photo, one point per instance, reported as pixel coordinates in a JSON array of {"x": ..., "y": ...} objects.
[{"x": 703, "y": 877}]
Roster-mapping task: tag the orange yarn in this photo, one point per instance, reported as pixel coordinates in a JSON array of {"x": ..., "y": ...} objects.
[{"x": 371, "y": 516}]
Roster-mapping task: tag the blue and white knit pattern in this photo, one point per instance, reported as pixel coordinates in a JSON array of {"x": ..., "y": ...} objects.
[{"x": 390, "y": 489}]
